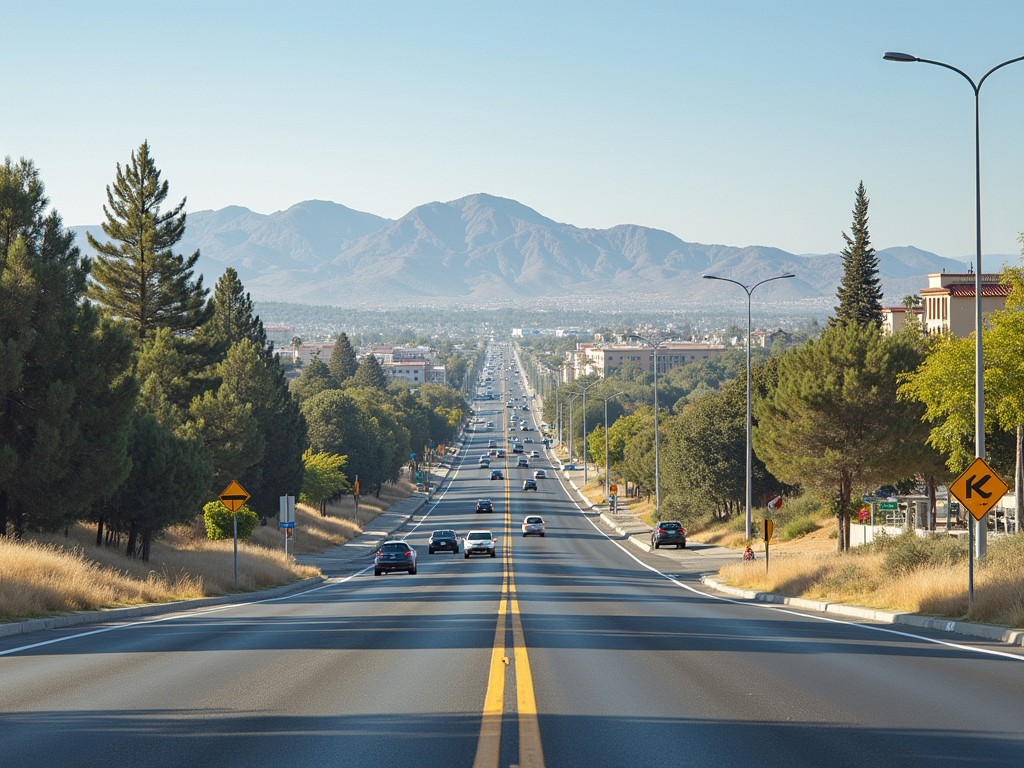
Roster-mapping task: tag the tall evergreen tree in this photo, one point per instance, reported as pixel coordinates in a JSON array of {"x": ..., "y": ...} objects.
[
  {"x": 860, "y": 292},
  {"x": 343, "y": 363},
  {"x": 233, "y": 316},
  {"x": 370, "y": 374},
  {"x": 137, "y": 277},
  {"x": 66, "y": 398},
  {"x": 314, "y": 379}
]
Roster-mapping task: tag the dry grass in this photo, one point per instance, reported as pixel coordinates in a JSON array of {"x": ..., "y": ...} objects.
[
  {"x": 50, "y": 574},
  {"x": 859, "y": 578}
]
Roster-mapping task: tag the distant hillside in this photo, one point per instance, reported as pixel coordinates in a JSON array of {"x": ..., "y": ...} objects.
[{"x": 483, "y": 249}]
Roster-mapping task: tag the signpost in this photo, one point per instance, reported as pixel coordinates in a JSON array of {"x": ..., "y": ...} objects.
[
  {"x": 979, "y": 489},
  {"x": 287, "y": 518},
  {"x": 769, "y": 529},
  {"x": 233, "y": 497}
]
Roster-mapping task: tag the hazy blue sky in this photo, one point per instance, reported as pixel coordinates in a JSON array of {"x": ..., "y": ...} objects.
[{"x": 723, "y": 122}]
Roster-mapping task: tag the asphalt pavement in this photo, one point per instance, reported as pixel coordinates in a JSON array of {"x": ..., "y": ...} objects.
[{"x": 576, "y": 649}]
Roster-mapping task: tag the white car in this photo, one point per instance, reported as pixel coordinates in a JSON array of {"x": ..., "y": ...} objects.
[
  {"x": 534, "y": 454},
  {"x": 539, "y": 474},
  {"x": 479, "y": 543},
  {"x": 533, "y": 525}
]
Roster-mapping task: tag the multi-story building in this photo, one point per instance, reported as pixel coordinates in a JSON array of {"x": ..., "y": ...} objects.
[
  {"x": 603, "y": 360},
  {"x": 948, "y": 303},
  {"x": 412, "y": 371},
  {"x": 308, "y": 351}
]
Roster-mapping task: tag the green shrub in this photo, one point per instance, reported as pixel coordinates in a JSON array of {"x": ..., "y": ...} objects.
[
  {"x": 799, "y": 527},
  {"x": 220, "y": 526},
  {"x": 908, "y": 551}
]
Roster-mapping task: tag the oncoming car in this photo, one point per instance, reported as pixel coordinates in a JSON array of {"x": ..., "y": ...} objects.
[{"x": 479, "y": 543}]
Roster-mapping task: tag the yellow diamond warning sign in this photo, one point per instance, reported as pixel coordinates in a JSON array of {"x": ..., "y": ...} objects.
[
  {"x": 979, "y": 488},
  {"x": 233, "y": 497}
]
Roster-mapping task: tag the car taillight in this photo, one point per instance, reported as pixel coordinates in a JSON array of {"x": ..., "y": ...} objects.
[
  {"x": 407, "y": 554},
  {"x": 662, "y": 530}
]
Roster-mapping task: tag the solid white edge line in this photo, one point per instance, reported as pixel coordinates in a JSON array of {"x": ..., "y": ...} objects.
[
  {"x": 762, "y": 606},
  {"x": 196, "y": 612}
]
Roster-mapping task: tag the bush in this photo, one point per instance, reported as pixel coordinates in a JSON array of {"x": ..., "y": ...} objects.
[
  {"x": 220, "y": 526},
  {"x": 908, "y": 552},
  {"x": 799, "y": 527}
]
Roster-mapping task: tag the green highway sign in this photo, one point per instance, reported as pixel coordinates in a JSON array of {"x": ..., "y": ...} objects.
[{"x": 888, "y": 506}]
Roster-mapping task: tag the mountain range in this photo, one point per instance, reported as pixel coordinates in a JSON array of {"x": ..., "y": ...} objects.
[{"x": 484, "y": 250}]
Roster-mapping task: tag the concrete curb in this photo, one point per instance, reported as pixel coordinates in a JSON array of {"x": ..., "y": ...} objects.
[
  {"x": 905, "y": 618},
  {"x": 153, "y": 609}
]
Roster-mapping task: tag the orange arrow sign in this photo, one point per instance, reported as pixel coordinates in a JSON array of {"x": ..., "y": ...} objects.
[{"x": 979, "y": 488}]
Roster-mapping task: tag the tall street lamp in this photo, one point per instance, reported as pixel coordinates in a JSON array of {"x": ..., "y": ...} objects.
[
  {"x": 606, "y": 465},
  {"x": 750, "y": 459},
  {"x": 657, "y": 463},
  {"x": 586, "y": 462},
  {"x": 571, "y": 395},
  {"x": 981, "y": 526}
]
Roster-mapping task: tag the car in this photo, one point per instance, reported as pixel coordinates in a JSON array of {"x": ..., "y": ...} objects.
[
  {"x": 517, "y": 448},
  {"x": 492, "y": 452},
  {"x": 492, "y": 443},
  {"x": 484, "y": 505},
  {"x": 668, "y": 532},
  {"x": 395, "y": 555},
  {"x": 485, "y": 463},
  {"x": 533, "y": 525},
  {"x": 527, "y": 439},
  {"x": 534, "y": 454},
  {"x": 524, "y": 463},
  {"x": 479, "y": 543},
  {"x": 443, "y": 540},
  {"x": 539, "y": 474},
  {"x": 497, "y": 475},
  {"x": 500, "y": 454},
  {"x": 529, "y": 484},
  {"x": 524, "y": 428}
]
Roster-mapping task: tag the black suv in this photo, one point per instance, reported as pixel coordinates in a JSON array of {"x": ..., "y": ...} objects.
[
  {"x": 668, "y": 532},
  {"x": 394, "y": 556},
  {"x": 444, "y": 540},
  {"x": 484, "y": 505}
]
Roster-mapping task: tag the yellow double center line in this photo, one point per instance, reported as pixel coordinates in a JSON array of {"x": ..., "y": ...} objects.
[{"x": 488, "y": 749}]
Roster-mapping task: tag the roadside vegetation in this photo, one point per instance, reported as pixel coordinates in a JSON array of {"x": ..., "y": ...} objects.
[{"x": 905, "y": 572}]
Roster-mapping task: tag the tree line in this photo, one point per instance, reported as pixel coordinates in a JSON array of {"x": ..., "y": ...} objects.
[{"x": 130, "y": 396}]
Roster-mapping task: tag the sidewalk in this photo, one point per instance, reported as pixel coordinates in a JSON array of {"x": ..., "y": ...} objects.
[{"x": 906, "y": 618}]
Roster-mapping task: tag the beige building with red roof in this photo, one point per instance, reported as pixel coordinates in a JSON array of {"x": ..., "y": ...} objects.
[{"x": 948, "y": 303}]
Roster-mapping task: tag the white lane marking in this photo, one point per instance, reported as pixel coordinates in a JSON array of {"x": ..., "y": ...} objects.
[
  {"x": 203, "y": 611},
  {"x": 872, "y": 627}
]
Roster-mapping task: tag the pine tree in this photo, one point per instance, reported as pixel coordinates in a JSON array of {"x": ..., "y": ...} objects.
[
  {"x": 343, "y": 363},
  {"x": 860, "y": 292},
  {"x": 65, "y": 394},
  {"x": 234, "y": 318},
  {"x": 137, "y": 276},
  {"x": 370, "y": 374}
]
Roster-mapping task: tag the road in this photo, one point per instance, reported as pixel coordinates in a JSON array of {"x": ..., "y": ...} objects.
[{"x": 567, "y": 650}]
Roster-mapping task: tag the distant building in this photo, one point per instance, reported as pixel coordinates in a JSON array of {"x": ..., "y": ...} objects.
[
  {"x": 411, "y": 371},
  {"x": 948, "y": 303},
  {"x": 603, "y": 360},
  {"x": 279, "y": 335},
  {"x": 307, "y": 352},
  {"x": 895, "y": 319}
]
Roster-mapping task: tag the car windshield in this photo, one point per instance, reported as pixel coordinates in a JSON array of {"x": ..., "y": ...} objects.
[
  {"x": 395, "y": 546},
  {"x": 479, "y": 535},
  {"x": 670, "y": 525},
  {"x": 533, "y": 520},
  {"x": 444, "y": 534}
]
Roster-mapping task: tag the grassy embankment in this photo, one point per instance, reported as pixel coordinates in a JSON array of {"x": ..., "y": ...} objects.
[
  {"x": 52, "y": 574},
  {"x": 904, "y": 573}
]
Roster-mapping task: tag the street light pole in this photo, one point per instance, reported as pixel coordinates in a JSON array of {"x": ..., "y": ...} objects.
[
  {"x": 607, "y": 469},
  {"x": 657, "y": 463},
  {"x": 586, "y": 462},
  {"x": 571, "y": 395},
  {"x": 981, "y": 526},
  {"x": 750, "y": 454}
]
